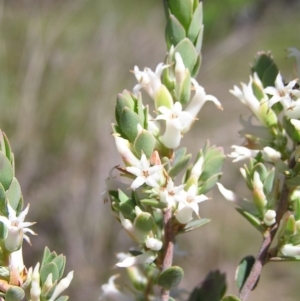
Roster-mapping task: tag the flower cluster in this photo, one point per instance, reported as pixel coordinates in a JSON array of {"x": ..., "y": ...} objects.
[{"x": 272, "y": 148}]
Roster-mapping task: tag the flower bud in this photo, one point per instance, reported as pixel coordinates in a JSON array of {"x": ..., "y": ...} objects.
[
  {"x": 154, "y": 244},
  {"x": 270, "y": 217},
  {"x": 259, "y": 197},
  {"x": 163, "y": 98}
]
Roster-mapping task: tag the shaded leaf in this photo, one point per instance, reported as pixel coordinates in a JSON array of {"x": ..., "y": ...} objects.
[
  {"x": 194, "y": 224},
  {"x": 212, "y": 288},
  {"x": 14, "y": 293},
  {"x": 174, "y": 32},
  {"x": 170, "y": 277},
  {"x": 47, "y": 269},
  {"x": 6, "y": 171}
]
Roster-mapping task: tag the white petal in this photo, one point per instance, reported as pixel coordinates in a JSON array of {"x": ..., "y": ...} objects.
[
  {"x": 184, "y": 215},
  {"x": 144, "y": 258}
]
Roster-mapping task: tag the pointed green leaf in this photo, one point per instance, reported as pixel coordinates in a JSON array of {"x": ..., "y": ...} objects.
[
  {"x": 124, "y": 100},
  {"x": 128, "y": 123},
  {"x": 60, "y": 262},
  {"x": 47, "y": 269},
  {"x": 188, "y": 53},
  {"x": 197, "y": 66},
  {"x": 144, "y": 222},
  {"x": 290, "y": 227},
  {"x": 183, "y": 10},
  {"x": 179, "y": 166},
  {"x": 3, "y": 231},
  {"x": 290, "y": 129},
  {"x": 196, "y": 24},
  {"x": 194, "y": 224},
  {"x": 14, "y": 193},
  {"x": 254, "y": 221},
  {"x": 48, "y": 256},
  {"x": 209, "y": 183},
  {"x": 144, "y": 143},
  {"x": 154, "y": 203},
  {"x": 62, "y": 298},
  {"x": 269, "y": 181},
  {"x": 184, "y": 91},
  {"x": 6, "y": 171},
  {"x": 127, "y": 209},
  {"x": 2, "y": 193},
  {"x": 170, "y": 277},
  {"x": 179, "y": 154},
  {"x": 243, "y": 271},
  {"x": 293, "y": 182},
  {"x": 14, "y": 293},
  {"x": 212, "y": 288},
  {"x": 174, "y": 32}
]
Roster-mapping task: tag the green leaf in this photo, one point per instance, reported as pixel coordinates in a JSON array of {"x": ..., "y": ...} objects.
[
  {"x": 290, "y": 129},
  {"x": 48, "y": 256},
  {"x": 261, "y": 169},
  {"x": 179, "y": 166},
  {"x": 14, "y": 193},
  {"x": 293, "y": 182},
  {"x": 124, "y": 100},
  {"x": 62, "y": 298},
  {"x": 243, "y": 271},
  {"x": 269, "y": 181},
  {"x": 128, "y": 123},
  {"x": 290, "y": 227},
  {"x": 194, "y": 224},
  {"x": 170, "y": 277},
  {"x": 6, "y": 171},
  {"x": 183, "y": 10},
  {"x": 14, "y": 293},
  {"x": 209, "y": 183},
  {"x": 254, "y": 221},
  {"x": 127, "y": 209},
  {"x": 154, "y": 203},
  {"x": 184, "y": 92},
  {"x": 174, "y": 32},
  {"x": 197, "y": 66},
  {"x": 144, "y": 222},
  {"x": 47, "y": 269},
  {"x": 265, "y": 68},
  {"x": 144, "y": 144},
  {"x": 60, "y": 262},
  {"x": 188, "y": 53},
  {"x": 3, "y": 231},
  {"x": 212, "y": 288},
  {"x": 230, "y": 298},
  {"x": 196, "y": 24},
  {"x": 2, "y": 193}
]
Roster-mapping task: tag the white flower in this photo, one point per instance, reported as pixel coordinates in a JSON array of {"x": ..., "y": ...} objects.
[
  {"x": 153, "y": 244},
  {"x": 176, "y": 123},
  {"x": 270, "y": 217},
  {"x": 257, "y": 106},
  {"x": 179, "y": 68},
  {"x": 167, "y": 194},
  {"x": 281, "y": 93},
  {"x": 123, "y": 147},
  {"x": 242, "y": 153},
  {"x": 188, "y": 203},
  {"x": 145, "y": 173},
  {"x": 296, "y": 124},
  {"x": 62, "y": 285},
  {"x": 111, "y": 293},
  {"x": 198, "y": 100},
  {"x": 145, "y": 258},
  {"x": 16, "y": 228},
  {"x": 148, "y": 80},
  {"x": 290, "y": 250},
  {"x": 35, "y": 291}
]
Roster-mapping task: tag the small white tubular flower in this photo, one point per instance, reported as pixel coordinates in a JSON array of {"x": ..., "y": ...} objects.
[
  {"x": 153, "y": 244},
  {"x": 270, "y": 217},
  {"x": 148, "y": 80},
  {"x": 167, "y": 194},
  {"x": 258, "y": 191},
  {"x": 145, "y": 173},
  {"x": 129, "y": 228},
  {"x": 35, "y": 291},
  {"x": 111, "y": 293},
  {"x": 290, "y": 250},
  {"x": 123, "y": 147},
  {"x": 198, "y": 100},
  {"x": 281, "y": 93},
  {"x": 176, "y": 123},
  {"x": 270, "y": 154},
  {"x": 197, "y": 168},
  {"x": 16, "y": 260},
  {"x": 145, "y": 258},
  {"x": 62, "y": 285},
  {"x": 242, "y": 153},
  {"x": 247, "y": 97},
  {"x": 296, "y": 124},
  {"x": 179, "y": 68},
  {"x": 188, "y": 203},
  {"x": 16, "y": 228}
]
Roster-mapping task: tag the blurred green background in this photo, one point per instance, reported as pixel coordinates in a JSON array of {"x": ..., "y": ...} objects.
[{"x": 62, "y": 64}]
